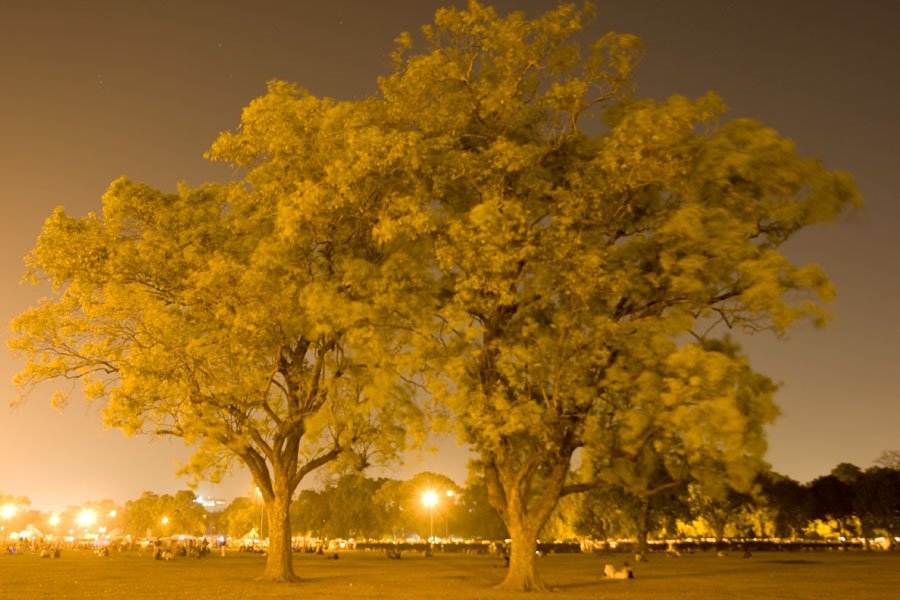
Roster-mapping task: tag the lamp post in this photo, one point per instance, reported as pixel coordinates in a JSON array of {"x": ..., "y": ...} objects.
[
  {"x": 261, "y": 504},
  {"x": 450, "y": 495},
  {"x": 54, "y": 523},
  {"x": 7, "y": 512},
  {"x": 165, "y": 523},
  {"x": 429, "y": 499},
  {"x": 86, "y": 519}
]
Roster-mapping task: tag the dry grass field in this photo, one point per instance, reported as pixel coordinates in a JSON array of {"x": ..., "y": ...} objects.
[{"x": 362, "y": 575}]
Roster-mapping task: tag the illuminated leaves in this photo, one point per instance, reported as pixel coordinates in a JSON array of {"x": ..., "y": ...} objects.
[
  {"x": 505, "y": 223},
  {"x": 590, "y": 265}
]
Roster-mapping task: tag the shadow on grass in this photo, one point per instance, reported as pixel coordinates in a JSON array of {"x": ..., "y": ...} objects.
[{"x": 583, "y": 584}]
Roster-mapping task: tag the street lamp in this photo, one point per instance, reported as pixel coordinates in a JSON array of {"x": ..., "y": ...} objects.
[
  {"x": 85, "y": 519},
  {"x": 450, "y": 495},
  {"x": 261, "y": 505},
  {"x": 110, "y": 524},
  {"x": 54, "y": 523},
  {"x": 165, "y": 522},
  {"x": 7, "y": 512},
  {"x": 429, "y": 499}
]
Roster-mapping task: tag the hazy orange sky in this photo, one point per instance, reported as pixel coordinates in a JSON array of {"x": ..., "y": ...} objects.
[{"x": 93, "y": 90}]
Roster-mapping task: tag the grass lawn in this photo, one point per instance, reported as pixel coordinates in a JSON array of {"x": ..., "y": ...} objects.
[{"x": 361, "y": 575}]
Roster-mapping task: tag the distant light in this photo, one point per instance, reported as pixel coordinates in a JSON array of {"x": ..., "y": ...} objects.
[
  {"x": 165, "y": 520},
  {"x": 8, "y": 511},
  {"x": 429, "y": 498},
  {"x": 112, "y": 514},
  {"x": 54, "y": 519},
  {"x": 449, "y": 493},
  {"x": 86, "y": 518}
]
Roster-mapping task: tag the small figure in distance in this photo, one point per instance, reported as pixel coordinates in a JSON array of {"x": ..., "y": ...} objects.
[
  {"x": 625, "y": 572},
  {"x": 672, "y": 551}
]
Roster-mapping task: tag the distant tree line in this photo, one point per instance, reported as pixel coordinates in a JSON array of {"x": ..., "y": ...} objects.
[{"x": 847, "y": 503}]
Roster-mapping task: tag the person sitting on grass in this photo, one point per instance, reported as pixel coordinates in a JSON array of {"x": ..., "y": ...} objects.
[{"x": 625, "y": 572}]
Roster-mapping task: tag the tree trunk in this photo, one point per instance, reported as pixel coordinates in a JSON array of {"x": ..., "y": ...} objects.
[
  {"x": 511, "y": 491},
  {"x": 522, "y": 576},
  {"x": 280, "y": 558},
  {"x": 644, "y": 527}
]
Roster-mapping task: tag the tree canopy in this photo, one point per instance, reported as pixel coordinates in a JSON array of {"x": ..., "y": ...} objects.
[
  {"x": 592, "y": 248},
  {"x": 557, "y": 260},
  {"x": 260, "y": 321}
]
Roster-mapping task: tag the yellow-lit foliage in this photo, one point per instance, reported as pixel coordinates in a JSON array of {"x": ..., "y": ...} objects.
[
  {"x": 592, "y": 248},
  {"x": 557, "y": 257},
  {"x": 264, "y": 320}
]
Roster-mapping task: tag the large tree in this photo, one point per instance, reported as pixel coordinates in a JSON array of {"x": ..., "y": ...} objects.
[
  {"x": 143, "y": 516},
  {"x": 261, "y": 321},
  {"x": 592, "y": 247},
  {"x": 832, "y": 499},
  {"x": 789, "y": 500},
  {"x": 613, "y": 512},
  {"x": 876, "y": 502}
]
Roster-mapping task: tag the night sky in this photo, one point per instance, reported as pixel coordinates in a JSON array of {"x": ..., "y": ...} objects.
[{"x": 90, "y": 91}]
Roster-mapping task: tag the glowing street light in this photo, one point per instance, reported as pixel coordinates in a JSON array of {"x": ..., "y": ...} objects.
[
  {"x": 110, "y": 517},
  {"x": 430, "y": 499},
  {"x": 7, "y": 512},
  {"x": 86, "y": 518},
  {"x": 450, "y": 494},
  {"x": 165, "y": 522},
  {"x": 54, "y": 523}
]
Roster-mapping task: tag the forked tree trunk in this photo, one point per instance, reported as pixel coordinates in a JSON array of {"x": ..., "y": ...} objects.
[
  {"x": 280, "y": 558},
  {"x": 524, "y": 517},
  {"x": 522, "y": 575}
]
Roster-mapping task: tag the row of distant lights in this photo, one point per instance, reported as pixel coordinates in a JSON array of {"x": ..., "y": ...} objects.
[
  {"x": 85, "y": 518},
  {"x": 88, "y": 517}
]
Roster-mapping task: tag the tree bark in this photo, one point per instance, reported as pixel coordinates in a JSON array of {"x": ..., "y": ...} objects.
[
  {"x": 280, "y": 557},
  {"x": 522, "y": 575},
  {"x": 644, "y": 527},
  {"x": 524, "y": 515}
]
